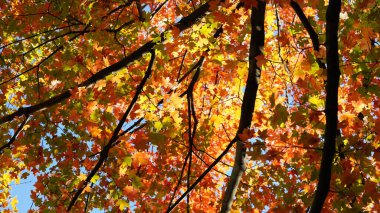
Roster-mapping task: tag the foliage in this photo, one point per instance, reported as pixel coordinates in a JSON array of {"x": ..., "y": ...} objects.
[{"x": 135, "y": 104}]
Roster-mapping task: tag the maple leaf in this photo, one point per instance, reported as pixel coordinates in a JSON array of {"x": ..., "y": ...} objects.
[
  {"x": 213, "y": 4},
  {"x": 280, "y": 115},
  {"x": 14, "y": 203},
  {"x": 95, "y": 131},
  {"x": 122, "y": 204},
  {"x": 140, "y": 158},
  {"x": 130, "y": 192},
  {"x": 260, "y": 60},
  {"x": 175, "y": 31},
  {"x": 247, "y": 134}
]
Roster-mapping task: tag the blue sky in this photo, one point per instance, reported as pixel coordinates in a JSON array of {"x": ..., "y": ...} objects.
[{"x": 22, "y": 191}]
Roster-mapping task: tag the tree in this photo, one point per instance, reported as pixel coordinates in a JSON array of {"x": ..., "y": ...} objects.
[{"x": 198, "y": 106}]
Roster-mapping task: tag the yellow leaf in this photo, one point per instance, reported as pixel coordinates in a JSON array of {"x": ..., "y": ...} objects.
[
  {"x": 158, "y": 125},
  {"x": 106, "y": 62},
  {"x": 176, "y": 102},
  {"x": 7, "y": 178},
  {"x": 101, "y": 84},
  {"x": 205, "y": 30},
  {"x": 202, "y": 42},
  {"x": 87, "y": 189},
  {"x": 82, "y": 176},
  {"x": 127, "y": 161},
  {"x": 122, "y": 204},
  {"x": 14, "y": 202},
  {"x": 315, "y": 100},
  {"x": 95, "y": 178},
  {"x": 177, "y": 119}
]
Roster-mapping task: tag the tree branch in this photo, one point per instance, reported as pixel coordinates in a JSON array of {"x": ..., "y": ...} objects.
[
  {"x": 12, "y": 140},
  {"x": 332, "y": 85},
  {"x": 313, "y": 35},
  {"x": 105, "y": 151},
  {"x": 180, "y": 67},
  {"x": 37, "y": 34},
  {"x": 79, "y": 33},
  {"x": 139, "y": 9},
  {"x": 249, "y": 98},
  {"x": 179, "y": 179},
  {"x": 200, "y": 178},
  {"x": 301, "y": 15},
  {"x": 192, "y": 128}
]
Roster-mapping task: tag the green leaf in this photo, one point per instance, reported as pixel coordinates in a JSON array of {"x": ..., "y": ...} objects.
[
  {"x": 280, "y": 116},
  {"x": 136, "y": 181},
  {"x": 127, "y": 161},
  {"x": 66, "y": 68},
  {"x": 95, "y": 178},
  {"x": 94, "y": 117},
  {"x": 316, "y": 101},
  {"x": 205, "y": 30},
  {"x": 157, "y": 39},
  {"x": 156, "y": 138},
  {"x": 158, "y": 125},
  {"x": 272, "y": 100}
]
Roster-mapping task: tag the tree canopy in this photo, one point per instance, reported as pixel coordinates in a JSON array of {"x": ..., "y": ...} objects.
[{"x": 196, "y": 106}]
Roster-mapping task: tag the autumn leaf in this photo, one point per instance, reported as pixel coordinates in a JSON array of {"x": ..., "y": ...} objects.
[
  {"x": 14, "y": 203},
  {"x": 247, "y": 134},
  {"x": 140, "y": 158},
  {"x": 156, "y": 138},
  {"x": 122, "y": 204},
  {"x": 280, "y": 116},
  {"x": 260, "y": 60}
]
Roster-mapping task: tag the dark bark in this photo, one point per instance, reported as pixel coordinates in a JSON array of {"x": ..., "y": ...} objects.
[
  {"x": 248, "y": 105},
  {"x": 332, "y": 85},
  {"x": 310, "y": 30},
  {"x": 301, "y": 15}
]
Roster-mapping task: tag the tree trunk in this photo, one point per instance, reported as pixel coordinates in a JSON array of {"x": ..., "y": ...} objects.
[
  {"x": 249, "y": 98},
  {"x": 332, "y": 85}
]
